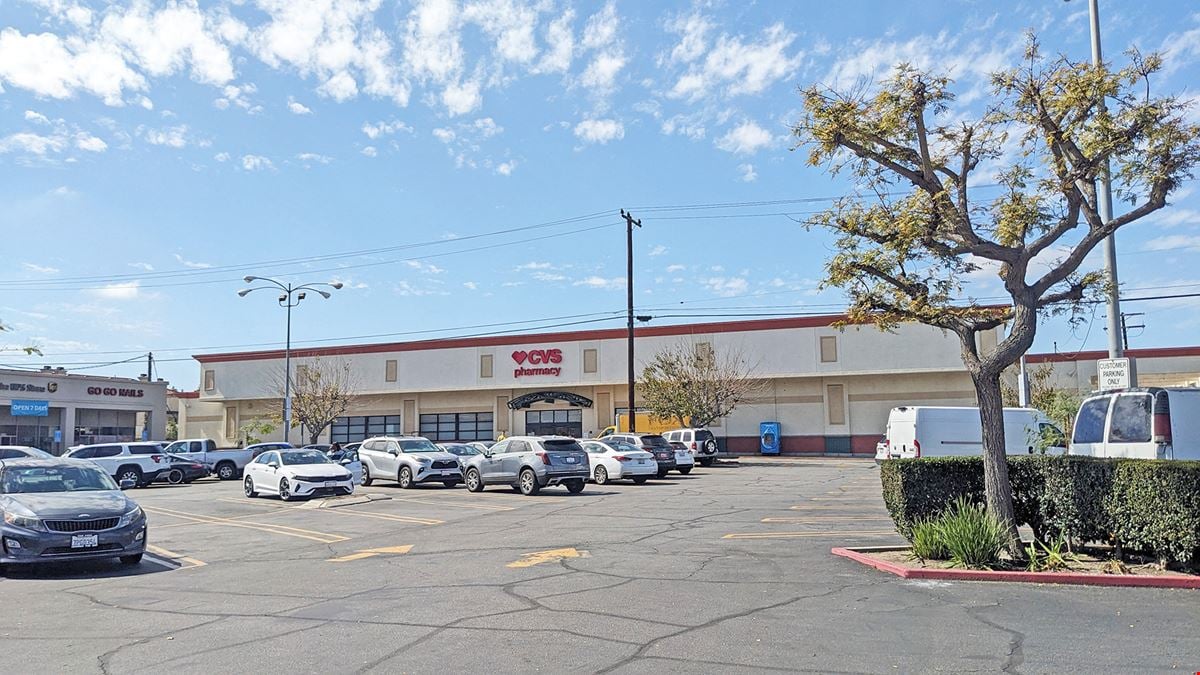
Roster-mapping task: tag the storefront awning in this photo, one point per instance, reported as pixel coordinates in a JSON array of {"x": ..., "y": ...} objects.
[{"x": 526, "y": 400}]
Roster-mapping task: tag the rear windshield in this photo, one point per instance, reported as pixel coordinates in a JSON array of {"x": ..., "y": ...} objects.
[
  {"x": 703, "y": 434},
  {"x": 655, "y": 441},
  {"x": 562, "y": 445}
]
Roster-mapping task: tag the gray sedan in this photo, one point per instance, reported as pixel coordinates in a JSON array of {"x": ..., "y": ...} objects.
[{"x": 65, "y": 509}]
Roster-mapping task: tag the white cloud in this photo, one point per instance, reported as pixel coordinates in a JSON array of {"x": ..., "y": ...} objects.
[
  {"x": 675, "y": 268},
  {"x": 506, "y": 168},
  {"x": 487, "y": 127},
  {"x": 190, "y": 264},
  {"x": 142, "y": 266},
  {"x": 90, "y": 143},
  {"x": 735, "y": 65},
  {"x": 238, "y": 95},
  {"x": 470, "y": 285},
  {"x": 120, "y": 291},
  {"x": 601, "y": 29},
  {"x": 560, "y": 41},
  {"x": 535, "y": 266},
  {"x": 461, "y": 98},
  {"x": 175, "y": 137},
  {"x": 381, "y": 128},
  {"x": 601, "y": 73},
  {"x": 221, "y": 157},
  {"x": 601, "y": 283},
  {"x": 32, "y": 143},
  {"x": 313, "y": 158},
  {"x": 166, "y": 41},
  {"x": 36, "y": 117},
  {"x": 511, "y": 26},
  {"x": 601, "y": 34},
  {"x": 427, "y": 268},
  {"x": 369, "y": 151},
  {"x": 690, "y": 125},
  {"x": 599, "y": 131},
  {"x": 1173, "y": 242},
  {"x": 298, "y": 108},
  {"x": 50, "y": 66},
  {"x": 62, "y": 191},
  {"x": 745, "y": 139},
  {"x": 146, "y": 103},
  {"x": 658, "y": 250},
  {"x": 749, "y": 175},
  {"x": 549, "y": 276},
  {"x": 727, "y": 287},
  {"x": 969, "y": 61},
  {"x": 1174, "y": 216},
  {"x": 444, "y": 135},
  {"x": 256, "y": 163},
  {"x": 40, "y": 269}
]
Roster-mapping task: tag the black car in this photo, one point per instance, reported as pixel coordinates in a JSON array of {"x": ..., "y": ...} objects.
[
  {"x": 656, "y": 444},
  {"x": 183, "y": 470}
]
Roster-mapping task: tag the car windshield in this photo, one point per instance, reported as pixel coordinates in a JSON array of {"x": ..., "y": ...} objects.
[
  {"x": 304, "y": 457},
  {"x": 461, "y": 450},
  {"x": 25, "y": 479},
  {"x": 418, "y": 445},
  {"x": 655, "y": 441}
]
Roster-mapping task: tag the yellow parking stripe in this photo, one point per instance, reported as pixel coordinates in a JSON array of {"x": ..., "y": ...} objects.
[
  {"x": 413, "y": 520},
  {"x": 164, "y": 553},
  {"x": 457, "y": 505},
  {"x": 799, "y": 535},
  {"x": 323, "y": 537},
  {"x": 372, "y": 552}
]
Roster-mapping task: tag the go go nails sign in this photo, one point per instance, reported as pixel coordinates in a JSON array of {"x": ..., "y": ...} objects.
[{"x": 541, "y": 362}]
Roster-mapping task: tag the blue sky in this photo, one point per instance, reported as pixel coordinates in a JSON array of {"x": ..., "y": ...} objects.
[{"x": 150, "y": 153}]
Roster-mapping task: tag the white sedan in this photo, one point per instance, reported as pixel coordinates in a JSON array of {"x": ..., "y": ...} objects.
[
  {"x": 296, "y": 473},
  {"x": 619, "y": 460}
]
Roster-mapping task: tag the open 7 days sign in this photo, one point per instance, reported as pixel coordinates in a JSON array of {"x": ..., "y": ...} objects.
[{"x": 540, "y": 362}]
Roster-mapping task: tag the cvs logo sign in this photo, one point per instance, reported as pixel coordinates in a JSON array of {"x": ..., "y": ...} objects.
[{"x": 538, "y": 356}]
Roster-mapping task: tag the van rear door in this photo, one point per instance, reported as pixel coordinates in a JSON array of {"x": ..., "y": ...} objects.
[
  {"x": 1130, "y": 427},
  {"x": 1087, "y": 438}
]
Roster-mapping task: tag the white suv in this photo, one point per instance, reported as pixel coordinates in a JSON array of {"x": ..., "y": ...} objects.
[
  {"x": 701, "y": 442},
  {"x": 139, "y": 462},
  {"x": 408, "y": 460}
]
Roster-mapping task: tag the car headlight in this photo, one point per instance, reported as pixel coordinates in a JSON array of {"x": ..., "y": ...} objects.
[
  {"x": 423, "y": 460},
  {"x": 130, "y": 516},
  {"x": 23, "y": 521}
]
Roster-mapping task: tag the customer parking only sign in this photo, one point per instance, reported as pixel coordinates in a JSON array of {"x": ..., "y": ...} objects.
[{"x": 30, "y": 408}]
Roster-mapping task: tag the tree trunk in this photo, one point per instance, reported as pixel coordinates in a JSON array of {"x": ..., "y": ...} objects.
[{"x": 997, "y": 488}]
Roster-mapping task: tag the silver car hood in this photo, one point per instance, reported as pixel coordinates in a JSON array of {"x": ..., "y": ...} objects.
[
  {"x": 69, "y": 504},
  {"x": 435, "y": 456}
]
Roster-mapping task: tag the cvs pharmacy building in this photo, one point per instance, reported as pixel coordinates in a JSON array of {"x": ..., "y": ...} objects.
[{"x": 829, "y": 389}]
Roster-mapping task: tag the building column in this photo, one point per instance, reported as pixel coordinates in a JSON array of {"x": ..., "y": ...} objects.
[{"x": 68, "y": 427}]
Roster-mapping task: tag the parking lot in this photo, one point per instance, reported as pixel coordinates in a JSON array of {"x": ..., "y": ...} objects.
[{"x": 726, "y": 570}]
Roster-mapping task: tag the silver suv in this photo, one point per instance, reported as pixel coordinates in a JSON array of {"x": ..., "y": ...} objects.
[
  {"x": 528, "y": 464},
  {"x": 408, "y": 460},
  {"x": 701, "y": 442}
]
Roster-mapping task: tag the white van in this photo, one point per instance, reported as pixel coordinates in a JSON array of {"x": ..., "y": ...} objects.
[
  {"x": 928, "y": 431},
  {"x": 1148, "y": 423}
]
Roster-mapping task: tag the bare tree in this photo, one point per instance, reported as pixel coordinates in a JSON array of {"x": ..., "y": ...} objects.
[
  {"x": 322, "y": 391},
  {"x": 1051, "y": 131},
  {"x": 695, "y": 386}
]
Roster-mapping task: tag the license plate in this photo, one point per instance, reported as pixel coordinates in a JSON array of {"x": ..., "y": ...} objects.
[
  {"x": 85, "y": 540},
  {"x": 331, "y": 483},
  {"x": 571, "y": 460},
  {"x": 641, "y": 461}
]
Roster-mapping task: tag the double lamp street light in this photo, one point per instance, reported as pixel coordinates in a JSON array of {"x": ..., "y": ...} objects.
[{"x": 290, "y": 296}]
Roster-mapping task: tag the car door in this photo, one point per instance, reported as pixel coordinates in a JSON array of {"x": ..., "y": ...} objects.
[
  {"x": 391, "y": 459},
  {"x": 109, "y": 457},
  {"x": 489, "y": 466},
  {"x": 510, "y": 463},
  {"x": 267, "y": 478}
]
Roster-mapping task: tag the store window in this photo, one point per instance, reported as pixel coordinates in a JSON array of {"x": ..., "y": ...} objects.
[
  {"x": 389, "y": 370},
  {"x": 104, "y": 426},
  {"x": 352, "y": 429},
  {"x": 554, "y": 422},
  {"x": 828, "y": 349},
  {"x": 473, "y": 426}
]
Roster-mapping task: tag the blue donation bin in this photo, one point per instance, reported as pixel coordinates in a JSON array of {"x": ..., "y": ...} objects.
[{"x": 768, "y": 438}]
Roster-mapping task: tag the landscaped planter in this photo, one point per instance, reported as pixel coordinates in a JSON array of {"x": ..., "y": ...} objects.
[{"x": 913, "y": 569}]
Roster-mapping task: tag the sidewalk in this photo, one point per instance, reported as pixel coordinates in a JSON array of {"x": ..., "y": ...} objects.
[{"x": 759, "y": 460}]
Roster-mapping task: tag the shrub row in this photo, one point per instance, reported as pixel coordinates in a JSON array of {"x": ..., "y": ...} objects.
[{"x": 1150, "y": 506}]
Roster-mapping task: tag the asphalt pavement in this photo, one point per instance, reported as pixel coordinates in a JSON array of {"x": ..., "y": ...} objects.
[{"x": 727, "y": 570}]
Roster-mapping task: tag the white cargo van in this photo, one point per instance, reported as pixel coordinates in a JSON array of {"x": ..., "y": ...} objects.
[
  {"x": 928, "y": 431},
  {"x": 1148, "y": 423}
]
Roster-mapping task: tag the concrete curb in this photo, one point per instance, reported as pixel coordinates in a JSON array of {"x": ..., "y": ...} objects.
[{"x": 861, "y": 555}]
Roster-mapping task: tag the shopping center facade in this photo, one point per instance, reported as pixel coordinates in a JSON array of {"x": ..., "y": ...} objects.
[{"x": 829, "y": 388}]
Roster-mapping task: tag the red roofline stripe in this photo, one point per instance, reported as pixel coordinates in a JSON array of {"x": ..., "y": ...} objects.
[
  {"x": 1151, "y": 353},
  {"x": 526, "y": 338}
]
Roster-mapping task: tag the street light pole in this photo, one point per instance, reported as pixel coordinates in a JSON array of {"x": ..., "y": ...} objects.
[
  {"x": 1115, "y": 349},
  {"x": 290, "y": 296},
  {"x": 629, "y": 223}
]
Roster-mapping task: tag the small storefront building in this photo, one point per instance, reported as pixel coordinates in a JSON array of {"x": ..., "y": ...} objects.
[{"x": 54, "y": 410}]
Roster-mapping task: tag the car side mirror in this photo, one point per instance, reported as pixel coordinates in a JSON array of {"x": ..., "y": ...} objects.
[
  {"x": 127, "y": 483},
  {"x": 273, "y": 465},
  {"x": 347, "y": 461}
]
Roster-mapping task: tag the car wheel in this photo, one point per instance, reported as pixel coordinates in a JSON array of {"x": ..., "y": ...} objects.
[
  {"x": 474, "y": 481},
  {"x": 527, "y": 483},
  {"x": 248, "y": 485},
  {"x": 575, "y": 486},
  {"x": 685, "y": 470},
  {"x": 640, "y": 479},
  {"x": 450, "y": 483},
  {"x": 175, "y": 477},
  {"x": 662, "y": 473},
  {"x": 285, "y": 490},
  {"x": 404, "y": 478},
  {"x": 600, "y": 475},
  {"x": 706, "y": 461},
  {"x": 366, "y": 477},
  {"x": 130, "y": 473},
  {"x": 131, "y": 559},
  {"x": 226, "y": 471}
]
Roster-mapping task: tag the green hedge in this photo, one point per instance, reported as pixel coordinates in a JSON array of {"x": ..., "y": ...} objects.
[{"x": 1146, "y": 505}]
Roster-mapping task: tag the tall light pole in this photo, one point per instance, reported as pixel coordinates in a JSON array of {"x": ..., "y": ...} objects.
[
  {"x": 289, "y": 297},
  {"x": 629, "y": 223},
  {"x": 1115, "y": 349}
]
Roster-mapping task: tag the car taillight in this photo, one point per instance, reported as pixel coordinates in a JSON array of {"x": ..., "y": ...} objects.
[
  {"x": 156, "y": 458},
  {"x": 621, "y": 458},
  {"x": 693, "y": 445},
  {"x": 544, "y": 457},
  {"x": 917, "y": 445},
  {"x": 1162, "y": 427}
]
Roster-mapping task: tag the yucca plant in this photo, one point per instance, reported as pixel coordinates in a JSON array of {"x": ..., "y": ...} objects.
[
  {"x": 927, "y": 541},
  {"x": 973, "y": 537}
]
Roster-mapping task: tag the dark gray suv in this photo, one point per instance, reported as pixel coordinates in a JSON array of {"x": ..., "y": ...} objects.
[
  {"x": 529, "y": 463},
  {"x": 66, "y": 509}
]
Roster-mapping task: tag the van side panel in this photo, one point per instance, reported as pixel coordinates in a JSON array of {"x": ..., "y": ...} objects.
[
  {"x": 1185, "y": 424},
  {"x": 945, "y": 431}
]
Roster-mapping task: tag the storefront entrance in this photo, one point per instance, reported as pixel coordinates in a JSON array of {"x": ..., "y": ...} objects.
[{"x": 554, "y": 423}]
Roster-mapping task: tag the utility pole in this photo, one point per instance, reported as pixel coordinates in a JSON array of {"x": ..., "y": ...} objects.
[
  {"x": 629, "y": 223},
  {"x": 1125, "y": 328},
  {"x": 1116, "y": 349}
]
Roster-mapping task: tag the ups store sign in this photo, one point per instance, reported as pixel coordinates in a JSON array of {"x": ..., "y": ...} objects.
[{"x": 50, "y": 387}]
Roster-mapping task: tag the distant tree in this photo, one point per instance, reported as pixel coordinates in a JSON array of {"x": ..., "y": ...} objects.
[
  {"x": 257, "y": 428},
  {"x": 694, "y": 386},
  {"x": 906, "y": 244},
  {"x": 172, "y": 430},
  {"x": 322, "y": 391}
]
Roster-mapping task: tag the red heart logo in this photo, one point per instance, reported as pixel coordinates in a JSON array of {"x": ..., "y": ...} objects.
[{"x": 520, "y": 357}]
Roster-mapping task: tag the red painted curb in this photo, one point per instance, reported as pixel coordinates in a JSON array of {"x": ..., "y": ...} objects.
[{"x": 1070, "y": 578}]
